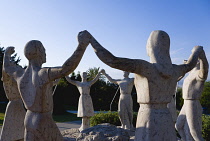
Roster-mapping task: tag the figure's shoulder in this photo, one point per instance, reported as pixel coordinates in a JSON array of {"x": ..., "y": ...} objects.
[
  {"x": 44, "y": 71},
  {"x": 181, "y": 67}
]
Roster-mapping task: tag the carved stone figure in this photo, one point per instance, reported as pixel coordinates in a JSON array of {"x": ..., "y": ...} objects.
[
  {"x": 35, "y": 86},
  {"x": 155, "y": 82},
  {"x": 189, "y": 121},
  {"x": 85, "y": 105},
  {"x": 125, "y": 105},
  {"x": 13, "y": 126},
  {"x": 172, "y": 108}
]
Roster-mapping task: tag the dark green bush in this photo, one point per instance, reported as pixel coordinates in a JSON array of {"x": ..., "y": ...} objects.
[
  {"x": 109, "y": 117},
  {"x": 206, "y": 127}
]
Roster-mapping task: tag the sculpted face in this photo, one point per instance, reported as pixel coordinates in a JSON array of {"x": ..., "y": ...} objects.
[
  {"x": 84, "y": 76},
  {"x": 34, "y": 50},
  {"x": 126, "y": 74},
  {"x": 43, "y": 55}
]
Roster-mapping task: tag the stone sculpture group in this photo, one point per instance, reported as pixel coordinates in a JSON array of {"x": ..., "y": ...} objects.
[{"x": 155, "y": 82}]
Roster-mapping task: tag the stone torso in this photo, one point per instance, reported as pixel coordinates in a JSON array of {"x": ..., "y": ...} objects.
[
  {"x": 84, "y": 87},
  {"x": 193, "y": 86},
  {"x": 155, "y": 88},
  {"x": 36, "y": 90},
  {"x": 126, "y": 85}
]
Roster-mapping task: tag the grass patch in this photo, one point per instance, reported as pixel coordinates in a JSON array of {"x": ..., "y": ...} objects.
[
  {"x": 66, "y": 117},
  {"x": 1, "y": 118},
  {"x": 57, "y": 118}
]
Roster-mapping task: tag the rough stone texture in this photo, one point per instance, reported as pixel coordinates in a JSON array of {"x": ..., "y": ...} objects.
[
  {"x": 15, "y": 112},
  {"x": 70, "y": 134},
  {"x": 125, "y": 105},
  {"x": 101, "y": 132},
  {"x": 172, "y": 108},
  {"x": 85, "y": 105},
  {"x": 189, "y": 121},
  {"x": 155, "y": 82},
  {"x": 35, "y": 86}
]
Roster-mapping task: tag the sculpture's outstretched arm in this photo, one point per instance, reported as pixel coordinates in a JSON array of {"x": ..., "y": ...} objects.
[
  {"x": 95, "y": 79},
  {"x": 192, "y": 61},
  {"x": 130, "y": 65},
  {"x": 71, "y": 81},
  {"x": 204, "y": 66},
  {"x": 73, "y": 61},
  {"x": 109, "y": 78},
  {"x": 10, "y": 67}
]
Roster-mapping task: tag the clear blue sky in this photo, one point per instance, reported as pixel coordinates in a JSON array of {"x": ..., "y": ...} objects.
[{"x": 121, "y": 26}]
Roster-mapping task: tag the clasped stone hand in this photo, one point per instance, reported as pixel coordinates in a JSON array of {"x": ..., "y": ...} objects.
[{"x": 84, "y": 37}]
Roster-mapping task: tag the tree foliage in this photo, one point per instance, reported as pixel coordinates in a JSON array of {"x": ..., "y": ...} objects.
[
  {"x": 205, "y": 98},
  {"x": 92, "y": 72},
  {"x": 179, "y": 99}
]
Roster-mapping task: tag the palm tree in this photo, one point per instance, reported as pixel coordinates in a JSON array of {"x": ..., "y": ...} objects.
[{"x": 92, "y": 72}]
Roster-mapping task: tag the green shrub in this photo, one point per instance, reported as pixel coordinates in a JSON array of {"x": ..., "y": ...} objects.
[
  {"x": 206, "y": 127},
  {"x": 109, "y": 117}
]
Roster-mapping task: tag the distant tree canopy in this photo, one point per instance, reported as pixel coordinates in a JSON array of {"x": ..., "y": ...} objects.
[
  {"x": 16, "y": 60},
  {"x": 92, "y": 72},
  {"x": 205, "y": 98}
]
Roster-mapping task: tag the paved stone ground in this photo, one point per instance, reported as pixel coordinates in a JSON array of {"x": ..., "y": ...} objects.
[
  {"x": 67, "y": 125},
  {"x": 76, "y": 124}
]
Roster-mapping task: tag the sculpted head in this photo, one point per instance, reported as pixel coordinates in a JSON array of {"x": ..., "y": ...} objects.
[
  {"x": 158, "y": 46},
  {"x": 84, "y": 76},
  {"x": 126, "y": 74},
  {"x": 34, "y": 50}
]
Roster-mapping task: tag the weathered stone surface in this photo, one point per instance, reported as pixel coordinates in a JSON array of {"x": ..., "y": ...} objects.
[
  {"x": 172, "y": 108},
  {"x": 125, "y": 105},
  {"x": 101, "y": 132},
  {"x": 35, "y": 86},
  {"x": 13, "y": 126},
  {"x": 85, "y": 104},
  {"x": 155, "y": 82},
  {"x": 70, "y": 134},
  {"x": 189, "y": 121}
]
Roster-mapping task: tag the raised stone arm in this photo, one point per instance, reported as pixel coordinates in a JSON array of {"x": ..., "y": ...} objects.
[
  {"x": 73, "y": 82},
  {"x": 192, "y": 61},
  {"x": 73, "y": 61},
  {"x": 96, "y": 78},
  {"x": 8, "y": 66},
  {"x": 109, "y": 77},
  {"x": 204, "y": 66},
  {"x": 130, "y": 65}
]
